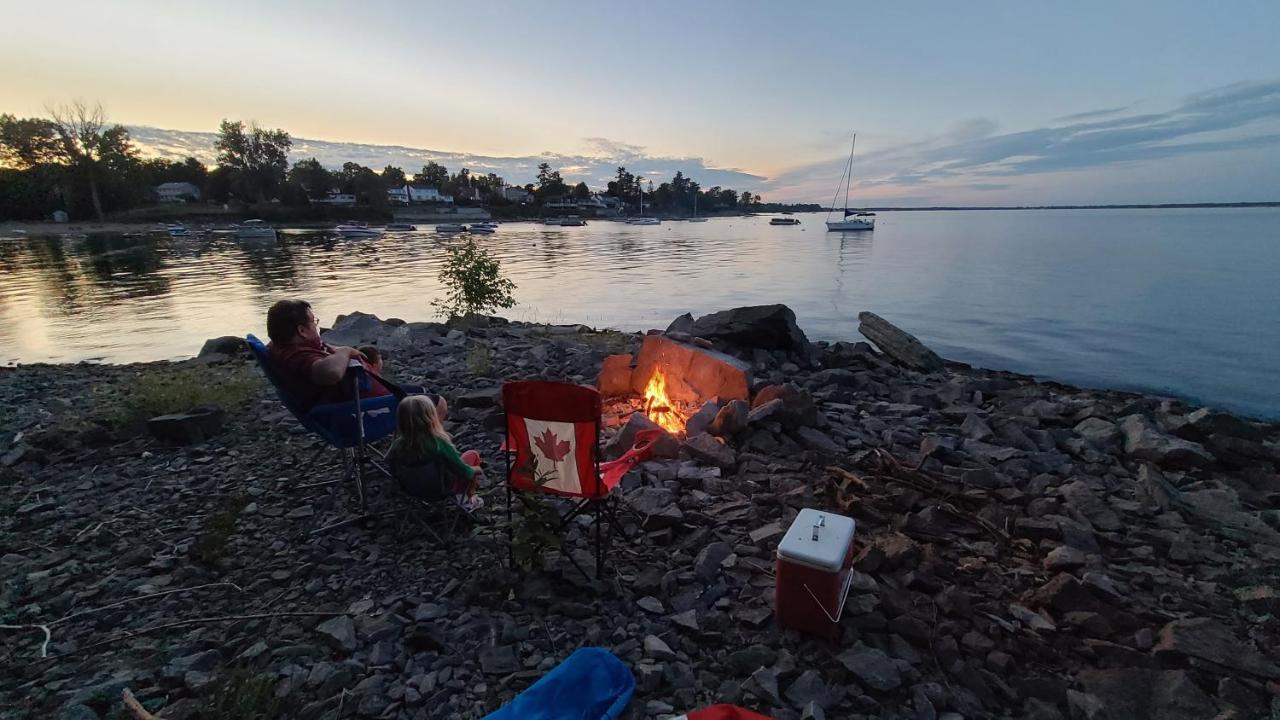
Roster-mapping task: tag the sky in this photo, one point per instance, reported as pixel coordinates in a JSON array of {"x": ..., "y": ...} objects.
[{"x": 977, "y": 103}]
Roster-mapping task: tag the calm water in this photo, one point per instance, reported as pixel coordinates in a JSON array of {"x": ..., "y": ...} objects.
[{"x": 1183, "y": 302}]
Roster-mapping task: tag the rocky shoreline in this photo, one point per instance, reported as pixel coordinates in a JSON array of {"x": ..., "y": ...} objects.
[{"x": 1025, "y": 549}]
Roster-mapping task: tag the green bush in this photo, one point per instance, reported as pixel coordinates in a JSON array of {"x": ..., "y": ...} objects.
[
  {"x": 473, "y": 282},
  {"x": 240, "y": 695},
  {"x": 478, "y": 361}
]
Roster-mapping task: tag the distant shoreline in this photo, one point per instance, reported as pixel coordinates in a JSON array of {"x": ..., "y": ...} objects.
[{"x": 1163, "y": 206}]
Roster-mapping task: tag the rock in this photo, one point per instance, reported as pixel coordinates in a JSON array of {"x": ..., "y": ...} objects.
[
  {"x": 656, "y": 648},
  {"x": 657, "y": 505},
  {"x": 499, "y": 660},
  {"x": 682, "y": 324},
  {"x": 771, "y": 327},
  {"x": 1206, "y": 422},
  {"x": 701, "y": 421},
  {"x": 764, "y": 411},
  {"x": 1031, "y": 618},
  {"x": 975, "y": 428},
  {"x": 1089, "y": 506},
  {"x": 818, "y": 442},
  {"x": 622, "y": 441},
  {"x": 692, "y": 374},
  {"x": 1155, "y": 492},
  {"x": 710, "y": 450},
  {"x": 1143, "y": 694},
  {"x": 1206, "y": 639},
  {"x": 186, "y": 428},
  {"x": 614, "y": 379},
  {"x": 872, "y": 668},
  {"x": 811, "y": 689},
  {"x": 766, "y": 533},
  {"x": 897, "y": 344},
  {"x": 1064, "y": 557},
  {"x": 1101, "y": 433},
  {"x": 483, "y": 398},
  {"x": 1064, "y": 593},
  {"x": 797, "y": 409},
  {"x": 707, "y": 565},
  {"x": 731, "y": 420},
  {"x": 651, "y": 604},
  {"x": 338, "y": 633},
  {"x": 229, "y": 345},
  {"x": 1144, "y": 441}
]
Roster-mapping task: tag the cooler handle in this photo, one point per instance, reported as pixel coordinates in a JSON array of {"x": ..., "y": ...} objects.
[{"x": 844, "y": 595}]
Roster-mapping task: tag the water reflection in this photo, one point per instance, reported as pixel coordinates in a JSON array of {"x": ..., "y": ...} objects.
[{"x": 1048, "y": 292}]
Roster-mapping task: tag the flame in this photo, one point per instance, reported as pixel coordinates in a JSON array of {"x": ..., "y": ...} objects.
[{"x": 660, "y": 407}]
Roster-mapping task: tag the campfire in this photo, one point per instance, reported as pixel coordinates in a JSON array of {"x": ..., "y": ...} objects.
[
  {"x": 669, "y": 382},
  {"x": 660, "y": 407}
]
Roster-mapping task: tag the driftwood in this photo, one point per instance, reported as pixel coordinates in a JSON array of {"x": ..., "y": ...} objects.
[
  {"x": 135, "y": 708},
  {"x": 897, "y": 343}
]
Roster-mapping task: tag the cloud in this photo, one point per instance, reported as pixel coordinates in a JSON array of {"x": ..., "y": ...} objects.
[
  {"x": 1241, "y": 116},
  {"x": 596, "y": 166},
  {"x": 1092, "y": 114}
]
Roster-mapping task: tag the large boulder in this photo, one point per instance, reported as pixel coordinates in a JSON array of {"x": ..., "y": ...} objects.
[
  {"x": 692, "y": 374},
  {"x": 771, "y": 327},
  {"x": 1144, "y": 441},
  {"x": 615, "y": 376},
  {"x": 796, "y": 410},
  {"x": 898, "y": 344},
  {"x": 195, "y": 425},
  {"x": 227, "y": 345},
  {"x": 1141, "y": 694}
]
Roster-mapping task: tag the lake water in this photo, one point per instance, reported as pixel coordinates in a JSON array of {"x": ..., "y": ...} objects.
[{"x": 1182, "y": 302}]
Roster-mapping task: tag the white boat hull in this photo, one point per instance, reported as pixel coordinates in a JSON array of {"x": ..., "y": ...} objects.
[
  {"x": 697, "y": 219},
  {"x": 644, "y": 221},
  {"x": 256, "y": 234},
  {"x": 851, "y": 225}
]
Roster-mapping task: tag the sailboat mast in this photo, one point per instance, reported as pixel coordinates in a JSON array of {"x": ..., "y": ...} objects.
[{"x": 849, "y": 175}]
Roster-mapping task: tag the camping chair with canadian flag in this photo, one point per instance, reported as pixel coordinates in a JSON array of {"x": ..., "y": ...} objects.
[{"x": 553, "y": 446}]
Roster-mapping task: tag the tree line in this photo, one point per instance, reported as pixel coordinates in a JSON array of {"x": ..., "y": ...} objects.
[{"x": 76, "y": 161}]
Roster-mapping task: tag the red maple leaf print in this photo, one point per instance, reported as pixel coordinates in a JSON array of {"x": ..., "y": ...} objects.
[{"x": 553, "y": 447}]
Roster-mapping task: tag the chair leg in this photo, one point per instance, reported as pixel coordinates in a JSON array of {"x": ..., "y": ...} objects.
[
  {"x": 599, "y": 553},
  {"x": 511, "y": 534}
]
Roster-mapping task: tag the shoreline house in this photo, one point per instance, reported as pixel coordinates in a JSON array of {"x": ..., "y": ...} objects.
[
  {"x": 177, "y": 192},
  {"x": 412, "y": 195},
  {"x": 517, "y": 194},
  {"x": 333, "y": 197},
  {"x": 596, "y": 205}
]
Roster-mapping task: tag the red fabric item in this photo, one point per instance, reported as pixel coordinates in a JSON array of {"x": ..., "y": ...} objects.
[
  {"x": 725, "y": 712},
  {"x": 611, "y": 472},
  {"x": 553, "y": 402},
  {"x": 292, "y": 364}
]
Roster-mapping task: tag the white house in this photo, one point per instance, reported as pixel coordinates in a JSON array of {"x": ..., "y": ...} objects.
[
  {"x": 516, "y": 194},
  {"x": 427, "y": 195},
  {"x": 333, "y": 197},
  {"x": 398, "y": 196},
  {"x": 176, "y": 192}
]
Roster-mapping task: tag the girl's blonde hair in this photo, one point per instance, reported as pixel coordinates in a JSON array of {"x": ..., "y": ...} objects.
[{"x": 418, "y": 427}]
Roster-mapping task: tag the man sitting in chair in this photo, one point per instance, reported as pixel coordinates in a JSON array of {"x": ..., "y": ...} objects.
[{"x": 310, "y": 369}]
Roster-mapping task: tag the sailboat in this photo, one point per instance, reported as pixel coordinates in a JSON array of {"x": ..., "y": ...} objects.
[
  {"x": 853, "y": 220},
  {"x": 695, "y": 217},
  {"x": 642, "y": 220}
]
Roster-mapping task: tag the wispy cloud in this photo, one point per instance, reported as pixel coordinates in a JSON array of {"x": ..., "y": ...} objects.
[
  {"x": 1234, "y": 117},
  {"x": 1092, "y": 114},
  {"x": 596, "y": 165}
]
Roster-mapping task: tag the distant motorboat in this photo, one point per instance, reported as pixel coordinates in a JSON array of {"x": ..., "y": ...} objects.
[
  {"x": 852, "y": 219},
  {"x": 400, "y": 227},
  {"x": 255, "y": 230},
  {"x": 451, "y": 228},
  {"x": 482, "y": 229},
  {"x": 697, "y": 219},
  {"x": 783, "y": 221},
  {"x": 357, "y": 230},
  {"x": 644, "y": 221},
  {"x": 485, "y": 224},
  {"x": 176, "y": 230}
]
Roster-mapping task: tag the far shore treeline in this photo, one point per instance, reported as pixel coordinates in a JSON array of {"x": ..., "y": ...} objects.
[{"x": 77, "y": 162}]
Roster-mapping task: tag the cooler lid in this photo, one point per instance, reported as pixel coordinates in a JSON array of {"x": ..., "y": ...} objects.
[{"x": 818, "y": 538}]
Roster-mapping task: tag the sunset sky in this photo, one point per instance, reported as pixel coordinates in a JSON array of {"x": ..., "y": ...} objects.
[{"x": 955, "y": 103}]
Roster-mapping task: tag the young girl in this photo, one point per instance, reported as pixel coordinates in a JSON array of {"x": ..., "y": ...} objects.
[{"x": 424, "y": 460}]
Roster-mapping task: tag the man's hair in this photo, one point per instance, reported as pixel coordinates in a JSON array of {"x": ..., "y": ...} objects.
[{"x": 284, "y": 318}]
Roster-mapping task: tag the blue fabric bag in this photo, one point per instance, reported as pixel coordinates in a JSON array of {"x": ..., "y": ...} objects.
[{"x": 591, "y": 684}]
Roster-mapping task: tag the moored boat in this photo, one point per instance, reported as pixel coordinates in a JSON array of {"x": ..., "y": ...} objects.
[
  {"x": 400, "y": 227},
  {"x": 451, "y": 228},
  {"x": 357, "y": 230},
  {"x": 644, "y": 221},
  {"x": 481, "y": 229},
  {"x": 852, "y": 219},
  {"x": 255, "y": 230},
  {"x": 783, "y": 221}
]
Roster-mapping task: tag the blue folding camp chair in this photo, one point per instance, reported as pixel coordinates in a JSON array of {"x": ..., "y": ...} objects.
[{"x": 349, "y": 425}]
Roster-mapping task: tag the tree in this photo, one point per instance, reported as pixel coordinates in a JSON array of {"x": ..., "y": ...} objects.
[
  {"x": 550, "y": 184},
  {"x": 745, "y": 200},
  {"x": 473, "y": 282},
  {"x": 90, "y": 149},
  {"x": 393, "y": 177},
  {"x": 28, "y": 142},
  {"x": 432, "y": 175},
  {"x": 312, "y": 177},
  {"x": 257, "y": 159},
  {"x": 362, "y": 182},
  {"x": 581, "y": 191}
]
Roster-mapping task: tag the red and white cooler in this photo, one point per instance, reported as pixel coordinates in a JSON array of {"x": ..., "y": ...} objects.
[{"x": 812, "y": 573}]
